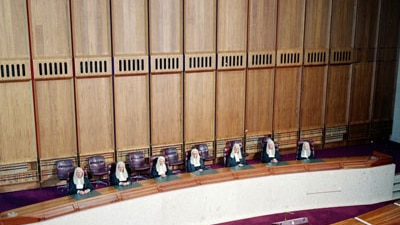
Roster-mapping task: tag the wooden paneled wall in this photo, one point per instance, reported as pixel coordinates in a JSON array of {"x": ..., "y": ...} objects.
[{"x": 81, "y": 78}]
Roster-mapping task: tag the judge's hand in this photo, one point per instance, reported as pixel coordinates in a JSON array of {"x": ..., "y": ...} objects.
[
  {"x": 163, "y": 175},
  {"x": 200, "y": 170},
  {"x": 274, "y": 161},
  {"x": 240, "y": 164}
]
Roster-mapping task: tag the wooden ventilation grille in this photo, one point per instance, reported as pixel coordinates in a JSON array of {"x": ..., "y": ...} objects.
[
  {"x": 161, "y": 64},
  {"x": 199, "y": 62},
  {"x": 14, "y": 71},
  {"x": 232, "y": 61},
  {"x": 312, "y": 134},
  {"x": 93, "y": 67},
  {"x": 52, "y": 69},
  {"x": 335, "y": 134},
  {"x": 341, "y": 56},
  {"x": 253, "y": 143},
  {"x": 289, "y": 58},
  {"x": 260, "y": 60},
  {"x": 286, "y": 139},
  {"x": 316, "y": 57},
  {"x": 359, "y": 131},
  {"x": 18, "y": 173},
  {"x": 131, "y": 65}
]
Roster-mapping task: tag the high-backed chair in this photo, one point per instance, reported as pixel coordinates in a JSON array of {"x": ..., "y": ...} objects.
[
  {"x": 64, "y": 168},
  {"x": 263, "y": 142},
  {"x": 228, "y": 149},
  {"x": 300, "y": 146},
  {"x": 171, "y": 155},
  {"x": 204, "y": 153},
  {"x": 138, "y": 164},
  {"x": 98, "y": 168}
]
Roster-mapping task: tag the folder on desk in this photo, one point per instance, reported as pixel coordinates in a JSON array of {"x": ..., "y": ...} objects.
[
  {"x": 280, "y": 163},
  {"x": 204, "y": 172},
  {"x": 88, "y": 195},
  {"x": 244, "y": 167},
  {"x": 312, "y": 160},
  {"x": 167, "y": 178},
  {"x": 132, "y": 185}
]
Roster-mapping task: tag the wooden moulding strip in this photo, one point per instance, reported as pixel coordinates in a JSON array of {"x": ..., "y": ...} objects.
[
  {"x": 355, "y": 165},
  {"x": 139, "y": 192},
  {"x": 288, "y": 169},
  {"x": 215, "y": 178},
  {"x": 178, "y": 184},
  {"x": 381, "y": 162},
  {"x": 19, "y": 220},
  {"x": 56, "y": 211},
  {"x": 323, "y": 166},
  {"x": 96, "y": 201},
  {"x": 243, "y": 174},
  {"x": 378, "y": 159},
  {"x": 383, "y": 215}
]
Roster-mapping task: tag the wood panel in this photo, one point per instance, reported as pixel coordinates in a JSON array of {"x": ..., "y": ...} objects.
[
  {"x": 361, "y": 93},
  {"x": 290, "y": 24},
  {"x": 199, "y": 106},
  {"x": 342, "y": 31},
  {"x": 389, "y": 23},
  {"x": 313, "y": 94},
  {"x": 14, "y": 44},
  {"x": 259, "y": 101},
  {"x": 14, "y": 25},
  {"x": 262, "y": 33},
  {"x": 52, "y": 56},
  {"x": 92, "y": 50},
  {"x": 338, "y": 93},
  {"x": 286, "y": 99},
  {"x": 262, "y": 25},
  {"x": 130, "y": 27},
  {"x": 200, "y": 26},
  {"x": 166, "y": 26},
  {"x": 18, "y": 154},
  {"x": 317, "y": 24},
  {"x": 384, "y": 91},
  {"x": 56, "y": 118},
  {"x": 232, "y": 25},
  {"x": 131, "y": 93},
  {"x": 290, "y": 32},
  {"x": 91, "y": 28},
  {"x": 366, "y": 29},
  {"x": 130, "y": 37},
  {"x": 230, "y": 106},
  {"x": 132, "y": 112},
  {"x": 94, "y": 115},
  {"x": 166, "y": 109},
  {"x": 50, "y": 28},
  {"x": 343, "y": 23},
  {"x": 316, "y": 34},
  {"x": 199, "y": 86},
  {"x": 18, "y": 136}
]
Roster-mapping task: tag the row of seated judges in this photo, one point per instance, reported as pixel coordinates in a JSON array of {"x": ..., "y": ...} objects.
[
  {"x": 159, "y": 165},
  {"x": 234, "y": 155}
]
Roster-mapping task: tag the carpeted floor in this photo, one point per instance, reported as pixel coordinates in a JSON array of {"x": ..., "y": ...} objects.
[
  {"x": 17, "y": 199},
  {"x": 324, "y": 216}
]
